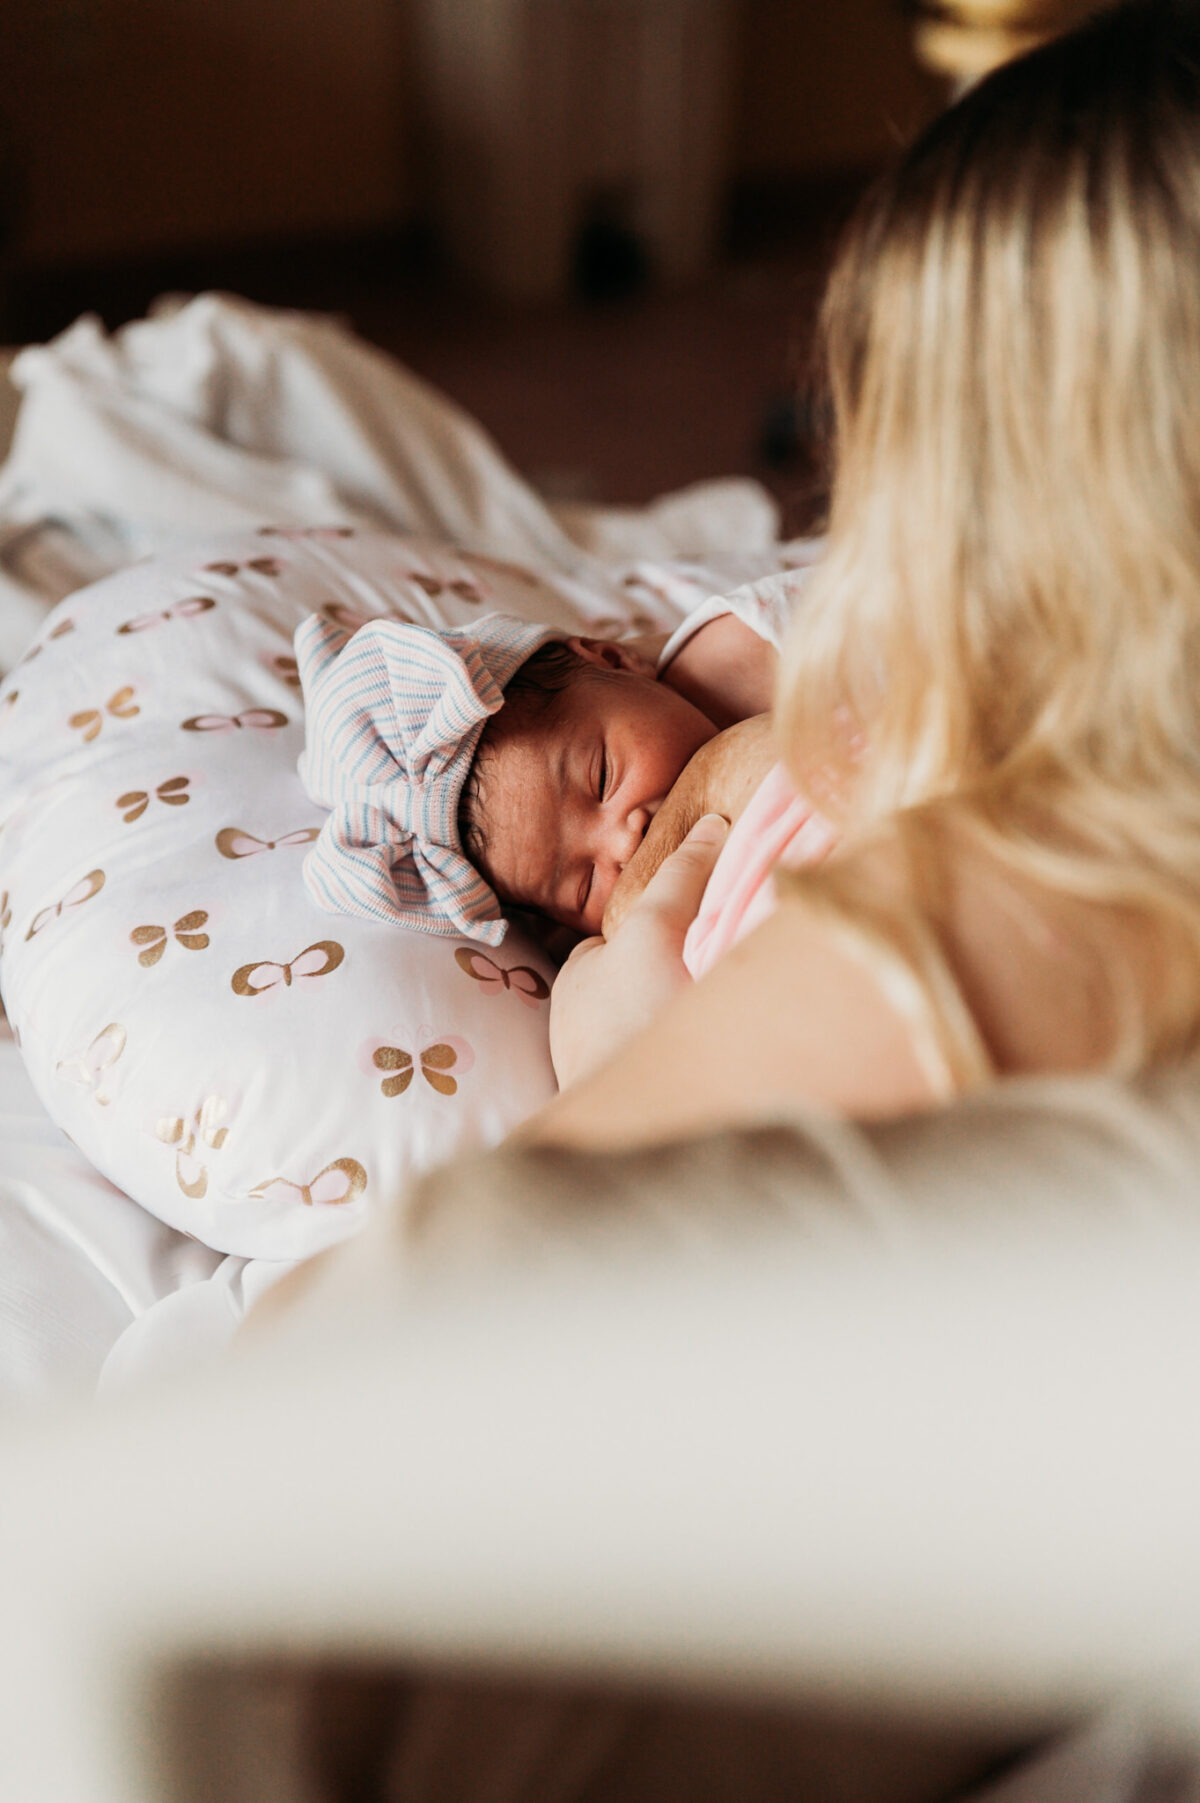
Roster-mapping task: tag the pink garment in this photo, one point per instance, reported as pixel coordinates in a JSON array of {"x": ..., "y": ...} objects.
[{"x": 778, "y": 826}]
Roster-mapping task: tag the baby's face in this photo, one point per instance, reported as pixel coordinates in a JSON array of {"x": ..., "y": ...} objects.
[{"x": 567, "y": 797}]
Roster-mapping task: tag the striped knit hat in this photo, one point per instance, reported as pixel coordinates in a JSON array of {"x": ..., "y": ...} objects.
[{"x": 393, "y": 716}]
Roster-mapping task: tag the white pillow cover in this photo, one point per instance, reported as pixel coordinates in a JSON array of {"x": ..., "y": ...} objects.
[{"x": 252, "y": 1070}]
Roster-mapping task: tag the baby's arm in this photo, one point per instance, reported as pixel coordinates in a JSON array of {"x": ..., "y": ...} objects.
[
  {"x": 720, "y": 779},
  {"x": 726, "y": 669},
  {"x": 725, "y": 656}
]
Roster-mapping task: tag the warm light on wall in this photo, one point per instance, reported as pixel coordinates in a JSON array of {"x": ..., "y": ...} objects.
[{"x": 965, "y": 39}]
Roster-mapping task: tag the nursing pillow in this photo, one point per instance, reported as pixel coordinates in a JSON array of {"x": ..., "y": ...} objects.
[{"x": 253, "y": 1070}]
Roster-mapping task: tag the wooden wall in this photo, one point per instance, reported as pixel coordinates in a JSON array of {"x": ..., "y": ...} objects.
[
  {"x": 151, "y": 125},
  {"x": 142, "y": 125},
  {"x": 825, "y": 85}
]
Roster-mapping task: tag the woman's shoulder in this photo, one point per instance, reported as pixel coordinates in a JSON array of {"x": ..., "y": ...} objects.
[{"x": 1003, "y": 971}]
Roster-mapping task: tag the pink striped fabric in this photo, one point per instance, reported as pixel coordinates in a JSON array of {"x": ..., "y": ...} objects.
[{"x": 393, "y": 715}]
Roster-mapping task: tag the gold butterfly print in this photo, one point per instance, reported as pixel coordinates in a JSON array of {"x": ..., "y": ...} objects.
[
  {"x": 262, "y": 719},
  {"x": 349, "y": 619},
  {"x": 80, "y": 892},
  {"x": 342, "y": 1181},
  {"x": 286, "y": 668},
  {"x": 424, "y": 581},
  {"x": 306, "y": 532},
  {"x": 254, "y": 718},
  {"x": 206, "y": 1130},
  {"x": 93, "y": 1066},
  {"x": 524, "y": 982},
  {"x": 135, "y": 801},
  {"x": 57, "y": 632},
  {"x": 262, "y": 566},
  {"x": 121, "y": 706},
  {"x": 433, "y": 586},
  {"x": 435, "y": 1064},
  {"x": 314, "y": 961},
  {"x": 187, "y": 934},
  {"x": 191, "y": 609},
  {"x": 234, "y": 842},
  {"x": 5, "y": 917}
]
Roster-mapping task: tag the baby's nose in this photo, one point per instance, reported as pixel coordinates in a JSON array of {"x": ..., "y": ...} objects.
[{"x": 630, "y": 834}]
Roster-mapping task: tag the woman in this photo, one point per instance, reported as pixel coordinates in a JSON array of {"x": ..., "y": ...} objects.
[{"x": 994, "y": 686}]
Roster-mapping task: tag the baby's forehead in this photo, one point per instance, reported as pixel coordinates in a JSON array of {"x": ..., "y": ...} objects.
[{"x": 600, "y": 692}]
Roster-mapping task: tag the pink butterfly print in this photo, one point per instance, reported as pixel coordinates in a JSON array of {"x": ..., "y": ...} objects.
[
  {"x": 80, "y": 892},
  {"x": 261, "y": 566},
  {"x": 521, "y": 979},
  {"x": 441, "y": 1064},
  {"x": 314, "y": 961},
  {"x": 234, "y": 842},
  {"x": 190, "y": 609},
  {"x": 282, "y": 665},
  {"x": 346, "y": 618},
  {"x": 261, "y": 719},
  {"x": 342, "y": 1181}
]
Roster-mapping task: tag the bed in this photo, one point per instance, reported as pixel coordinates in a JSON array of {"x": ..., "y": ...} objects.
[{"x": 546, "y": 1443}]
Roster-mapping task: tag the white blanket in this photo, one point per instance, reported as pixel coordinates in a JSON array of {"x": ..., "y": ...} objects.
[{"x": 214, "y": 413}]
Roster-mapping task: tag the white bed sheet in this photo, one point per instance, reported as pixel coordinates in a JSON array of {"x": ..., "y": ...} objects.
[{"x": 79, "y": 1262}]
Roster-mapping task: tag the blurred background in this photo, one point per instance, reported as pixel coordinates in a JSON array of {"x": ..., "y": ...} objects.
[{"x": 601, "y": 225}]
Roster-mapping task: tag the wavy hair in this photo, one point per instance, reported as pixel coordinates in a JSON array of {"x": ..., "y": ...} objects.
[{"x": 1005, "y": 632}]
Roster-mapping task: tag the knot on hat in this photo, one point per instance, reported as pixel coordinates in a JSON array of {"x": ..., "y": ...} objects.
[{"x": 393, "y": 717}]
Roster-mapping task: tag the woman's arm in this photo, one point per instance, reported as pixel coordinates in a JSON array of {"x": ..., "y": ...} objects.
[{"x": 792, "y": 1015}]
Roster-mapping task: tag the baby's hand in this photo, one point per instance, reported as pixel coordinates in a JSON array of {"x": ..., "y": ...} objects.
[{"x": 720, "y": 779}]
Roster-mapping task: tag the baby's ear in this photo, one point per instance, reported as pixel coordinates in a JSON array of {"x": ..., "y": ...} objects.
[{"x": 609, "y": 654}]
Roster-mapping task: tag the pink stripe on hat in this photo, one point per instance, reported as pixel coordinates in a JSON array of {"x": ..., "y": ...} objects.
[{"x": 394, "y": 714}]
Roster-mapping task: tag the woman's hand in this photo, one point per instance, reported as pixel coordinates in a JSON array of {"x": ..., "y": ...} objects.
[
  {"x": 608, "y": 990},
  {"x": 720, "y": 779}
]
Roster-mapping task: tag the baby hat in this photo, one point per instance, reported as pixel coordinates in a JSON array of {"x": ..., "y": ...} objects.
[{"x": 393, "y": 715}]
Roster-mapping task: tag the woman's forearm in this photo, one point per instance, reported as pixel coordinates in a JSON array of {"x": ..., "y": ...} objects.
[{"x": 787, "y": 1019}]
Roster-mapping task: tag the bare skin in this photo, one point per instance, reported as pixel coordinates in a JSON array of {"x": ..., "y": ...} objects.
[
  {"x": 720, "y": 779},
  {"x": 569, "y": 798},
  {"x": 794, "y": 1015}
]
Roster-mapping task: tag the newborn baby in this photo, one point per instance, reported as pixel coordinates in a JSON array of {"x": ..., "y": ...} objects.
[
  {"x": 505, "y": 764},
  {"x": 570, "y": 773}
]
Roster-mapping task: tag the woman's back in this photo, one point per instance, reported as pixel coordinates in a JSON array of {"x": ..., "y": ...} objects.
[
  {"x": 999, "y": 975},
  {"x": 993, "y": 686}
]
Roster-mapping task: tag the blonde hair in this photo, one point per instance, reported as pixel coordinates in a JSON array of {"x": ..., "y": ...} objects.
[{"x": 1005, "y": 632}]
